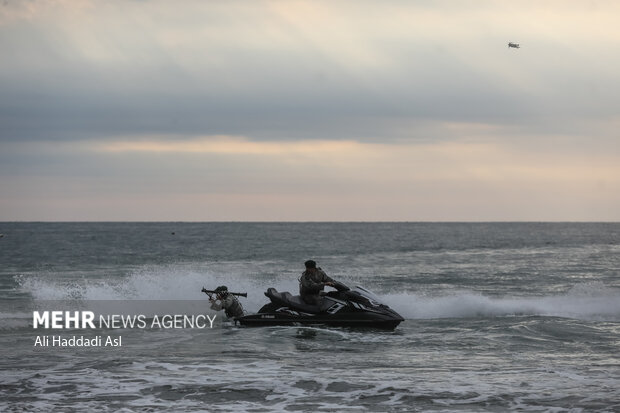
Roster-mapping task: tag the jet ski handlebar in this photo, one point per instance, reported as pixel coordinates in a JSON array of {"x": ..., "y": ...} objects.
[{"x": 340, "y": 286}]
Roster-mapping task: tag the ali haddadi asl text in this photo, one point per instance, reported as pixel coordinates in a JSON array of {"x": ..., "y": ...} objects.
[{"x": 78, "y": 341}]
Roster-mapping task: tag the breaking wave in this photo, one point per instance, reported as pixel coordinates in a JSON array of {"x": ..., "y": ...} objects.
[{"x": 587, "y": 301}]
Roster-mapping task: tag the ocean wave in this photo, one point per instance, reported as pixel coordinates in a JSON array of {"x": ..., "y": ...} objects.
[
  {"x": 588, "y": 301},
  {"x": 150, "y": 283}
]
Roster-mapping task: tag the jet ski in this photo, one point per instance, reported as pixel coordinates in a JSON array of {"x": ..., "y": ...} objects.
[{"x": 345, "y": 307}]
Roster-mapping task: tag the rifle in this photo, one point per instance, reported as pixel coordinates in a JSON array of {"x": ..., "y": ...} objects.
[{"x": 209, "y": 292}]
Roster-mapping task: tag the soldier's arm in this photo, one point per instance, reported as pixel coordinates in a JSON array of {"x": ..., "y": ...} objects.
[
  {"x": 228, "y": 301},
  {"x": 326, "y": 278},
  {"x": 309, "y": 284}
]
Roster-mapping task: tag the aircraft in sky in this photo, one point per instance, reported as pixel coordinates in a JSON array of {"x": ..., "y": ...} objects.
[{"x": 515, "y": 45}]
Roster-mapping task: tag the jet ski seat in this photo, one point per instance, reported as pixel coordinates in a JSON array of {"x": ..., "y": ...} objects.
[{"x": 294, "y": 301}]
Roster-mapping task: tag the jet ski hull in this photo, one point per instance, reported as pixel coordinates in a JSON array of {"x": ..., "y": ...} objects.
[
  {"x": 344, "y": 308},
  {"x": 277, "y": 319}
]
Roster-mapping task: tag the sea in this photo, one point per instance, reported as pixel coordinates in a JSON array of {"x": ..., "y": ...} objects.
[{"x": 498, "y": 317}]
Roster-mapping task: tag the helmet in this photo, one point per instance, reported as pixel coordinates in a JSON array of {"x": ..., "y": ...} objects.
[
  {"x": 221, "y": 289},
  {"x": 310, "y": 264}
]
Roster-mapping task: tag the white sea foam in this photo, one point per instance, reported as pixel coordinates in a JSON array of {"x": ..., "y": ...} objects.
[
  {"x": 168, "y": 282},
  {"x": 590, "y": 301}
]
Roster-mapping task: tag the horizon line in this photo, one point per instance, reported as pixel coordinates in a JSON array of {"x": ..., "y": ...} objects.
[{"x": 308, "y": 222}]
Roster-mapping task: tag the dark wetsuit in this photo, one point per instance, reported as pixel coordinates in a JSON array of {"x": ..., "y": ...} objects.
[{"x": 311, "y": 284}]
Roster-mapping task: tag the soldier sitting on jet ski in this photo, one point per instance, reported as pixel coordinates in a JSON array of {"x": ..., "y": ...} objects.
[
  {"x": 227, "y": 302},
  {"x": 312, "y": 282}
]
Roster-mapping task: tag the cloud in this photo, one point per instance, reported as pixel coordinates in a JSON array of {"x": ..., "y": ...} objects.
[
  {"x": 299, "y": 70},
  {"x": 225, "y": 178},
  {"x": 298, "y": 109}
]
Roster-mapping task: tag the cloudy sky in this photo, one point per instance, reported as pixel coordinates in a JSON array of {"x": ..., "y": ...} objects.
[{"x": 309, "y": 110}]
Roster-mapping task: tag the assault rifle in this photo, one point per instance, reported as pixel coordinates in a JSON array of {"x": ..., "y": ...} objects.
[{"x": 210, "y": 292}]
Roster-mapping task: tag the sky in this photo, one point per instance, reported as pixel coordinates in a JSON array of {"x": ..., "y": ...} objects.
[{"x": 392, "y": 110}]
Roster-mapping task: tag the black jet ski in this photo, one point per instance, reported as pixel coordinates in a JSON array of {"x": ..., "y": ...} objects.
[{"x": 345, "y": 307}]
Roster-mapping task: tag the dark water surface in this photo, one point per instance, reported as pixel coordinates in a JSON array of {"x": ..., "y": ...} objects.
[{"x": 499, "y": 317}]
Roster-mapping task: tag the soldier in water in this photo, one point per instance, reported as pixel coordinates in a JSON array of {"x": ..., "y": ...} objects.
[{"x": 227, "y": 302}]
